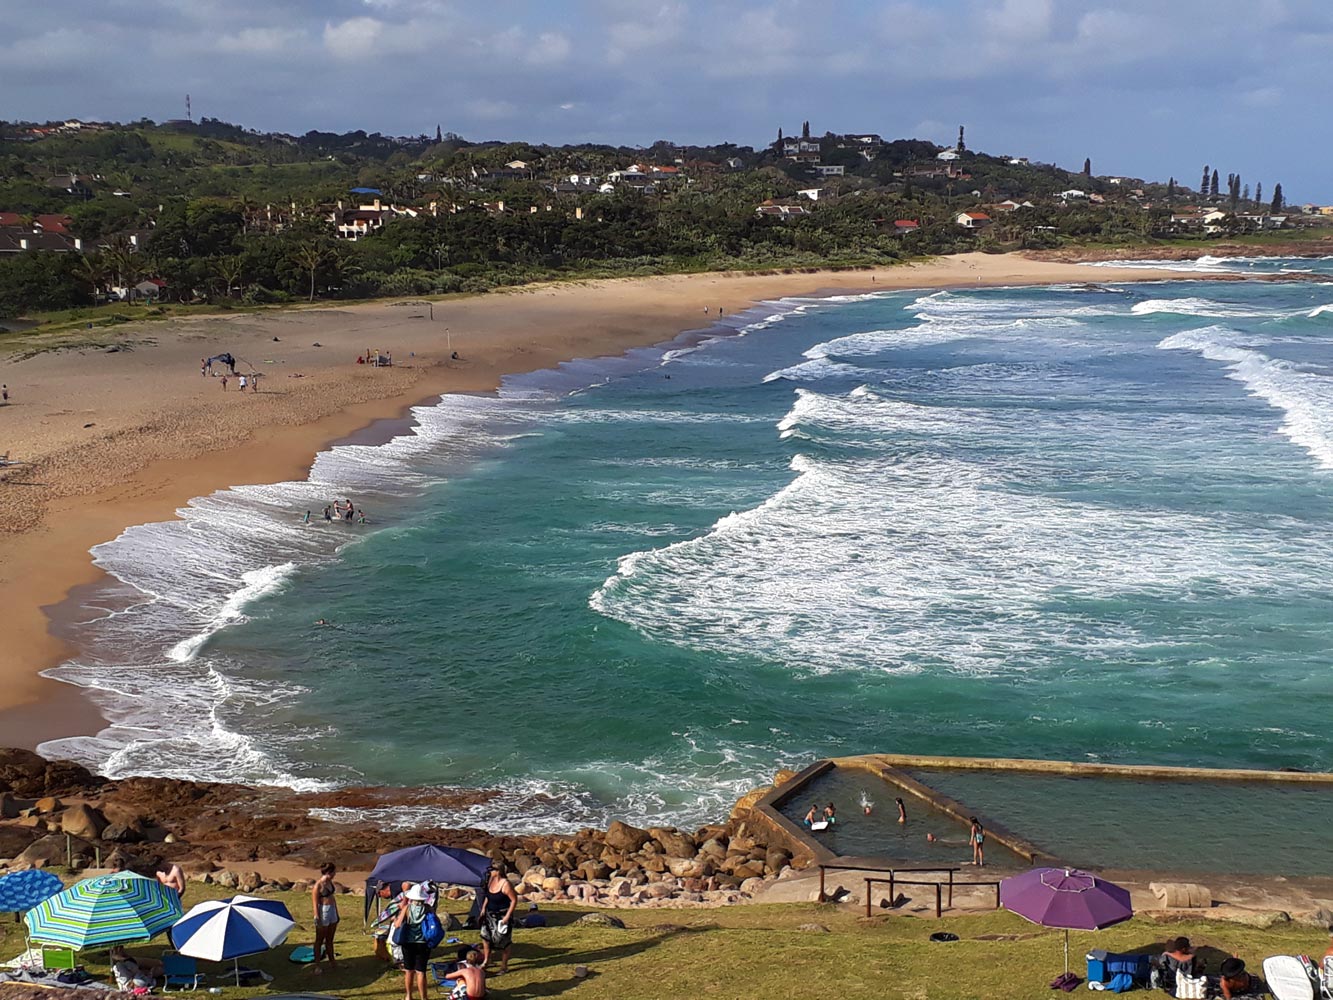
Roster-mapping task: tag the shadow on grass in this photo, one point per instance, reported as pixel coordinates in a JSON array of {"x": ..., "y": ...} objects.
[{"x": 539, "y": 956}]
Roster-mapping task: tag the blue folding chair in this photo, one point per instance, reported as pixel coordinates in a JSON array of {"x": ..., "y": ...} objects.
[{"x": 179, "y": 971}]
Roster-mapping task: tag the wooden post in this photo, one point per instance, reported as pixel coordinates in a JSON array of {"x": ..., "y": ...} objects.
[
  {"x": 69, "y": 851},
  {"x": 893, "y": 895},
  {"x": 951, "y": 888},
  {"x": 821, "y": 884},
  {"x": 939, "y": 911},
  {"x": 997, "y": 895},
  {"x": 97, "y": 855},
  {"x": 868, "y": 884}
]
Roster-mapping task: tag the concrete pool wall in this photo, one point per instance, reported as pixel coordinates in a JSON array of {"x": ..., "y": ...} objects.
[{"x": 892, "y": 769}]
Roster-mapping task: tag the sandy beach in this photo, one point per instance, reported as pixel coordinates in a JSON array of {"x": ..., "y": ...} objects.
[{"x": 127, "y": 433}]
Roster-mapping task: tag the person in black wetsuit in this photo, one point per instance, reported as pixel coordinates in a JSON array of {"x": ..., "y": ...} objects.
[{"x": 497, "y": 912}]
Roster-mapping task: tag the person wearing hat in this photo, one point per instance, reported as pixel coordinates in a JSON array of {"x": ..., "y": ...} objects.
[
  {"x": 1235, "y": 981},
  {"x": 497, "y": 912},
  {"x": 416, "y": 953}
]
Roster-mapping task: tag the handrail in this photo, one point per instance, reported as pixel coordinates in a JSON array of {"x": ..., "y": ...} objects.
[
  {"x": 893, "y": 882},
  {"x": 834, "y": 866}
]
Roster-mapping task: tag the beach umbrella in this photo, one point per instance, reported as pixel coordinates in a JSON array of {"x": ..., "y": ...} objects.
[
  {"x": 21, "y": 891},
  {"x": 1065, "y": 898},
  {"x": 427, "y": 863},
  {"x": 102, "y": 911},
  {"x": 219, "y": 929}
]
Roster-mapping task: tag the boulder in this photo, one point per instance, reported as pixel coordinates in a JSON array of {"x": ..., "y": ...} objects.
[
  {"x": 658, "y": 890},
  {"x": 713, "y": 846},
  {"x": 64, "y": 777},
  {"x": 553, "y": 885},
  {"x": 250, "y": 881},
  {"x": 114, "y": 833},
  {"x": 228, "y": 879},
  {"x": 655, "y": 863},
  {"x": 621, "y": 888},
  {"x": 14, "y": 839},
  {"x": 53, "y": 849},
  {"x": 47, "y": 805},
  {"x": 674, "y": 842},
  {"x": 22, "y": 772},
  {"x": 748, "y": 801},
  {"x": 1181, "y": 895},
  {"x": 9, "y": 807},
  {"x": 751, "y": 869},
  {"x": 623, "y": 837},
  {"x": 522, "y": 862},
  {"x": 83, "y": 821},
  {"x": 777, "y": 859},
  {"x": 593, "y": 870},
  {"x": 752, "y": 885}
]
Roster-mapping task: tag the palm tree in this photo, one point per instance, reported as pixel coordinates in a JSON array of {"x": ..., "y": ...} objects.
[
  {"x": 229, "y": 270},
  {"x": 94, "y": 272},
  {"x": 310, "y": 256}
]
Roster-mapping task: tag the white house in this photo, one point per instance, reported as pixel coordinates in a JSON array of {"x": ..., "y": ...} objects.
[
  {"x": 811, "y": 193},
  {"x": 517, "y": 165},
  {"x": 973, "y": 220},
  {"x": 1073, "y": 194},
  {"x": 830, "y": 169}
]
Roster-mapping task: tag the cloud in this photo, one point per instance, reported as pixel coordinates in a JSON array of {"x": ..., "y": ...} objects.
[
  {"x": 261, "y": 41},
  {"x": 354, "y": 38},
  {"x": 657, "y": 27}
]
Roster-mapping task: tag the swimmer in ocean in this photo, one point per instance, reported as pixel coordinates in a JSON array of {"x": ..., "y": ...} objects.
[{"x": 902, "y": 811}]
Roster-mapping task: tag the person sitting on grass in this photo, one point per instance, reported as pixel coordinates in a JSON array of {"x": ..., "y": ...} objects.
[
  {"x": 1235, "y": 981},
  {"x": 469, "y": 978},
  {"x": 130, "y": 973}
]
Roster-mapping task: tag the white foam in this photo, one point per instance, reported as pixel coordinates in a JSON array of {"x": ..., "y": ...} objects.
[
  {"x": 1304, "y": 396},
  {"x": 1193, "y": 306}
]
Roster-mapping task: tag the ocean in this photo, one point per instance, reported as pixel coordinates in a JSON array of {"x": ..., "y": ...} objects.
[{"x": 1088, "y": 522}]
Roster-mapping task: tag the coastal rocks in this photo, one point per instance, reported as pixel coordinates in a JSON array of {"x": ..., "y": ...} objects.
[
  {"x": 227, "y": 879},
  {"x": 783, "y": 776},
  {"x": 9, "y": 808},
  {"x": 673, "y": 842},
  {"x": 624, "y": 837},
  {"x": 113, "y": 833},
  {"x": 83, "y": 821},
  {"x": 26, "y": 775},
  {"x": 1181, "y": 895},
  {"x": 53, "y": 849},
  {"x": 746, "y": 803}
]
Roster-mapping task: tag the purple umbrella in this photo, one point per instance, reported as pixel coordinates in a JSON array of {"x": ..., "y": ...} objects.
[{"x": 1065, "y": 898}]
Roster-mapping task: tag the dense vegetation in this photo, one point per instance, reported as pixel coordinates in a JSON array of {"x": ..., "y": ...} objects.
[{"x": 227, "y": 215}]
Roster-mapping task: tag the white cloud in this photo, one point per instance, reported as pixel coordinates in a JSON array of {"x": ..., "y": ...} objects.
[
  {"x": 260, "y": 41},
  {"x": 1262, "y": 97},
  {"x": 659, "y": 26},
  {"x": 1020, "y": 20},
  {"x": 354, "y": 38}
]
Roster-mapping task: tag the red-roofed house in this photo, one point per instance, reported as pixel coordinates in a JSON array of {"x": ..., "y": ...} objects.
[
  {"x": 10, "y": 219},
  {"x": 974, "y": 220},
  {"x": 904, "y": 226},
  {"x": 53, "y": 223}
]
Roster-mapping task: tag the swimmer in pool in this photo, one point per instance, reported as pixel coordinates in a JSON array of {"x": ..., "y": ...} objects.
[
  {"x": 811, "y": 816},
  {"x": 902, "y": 810}
]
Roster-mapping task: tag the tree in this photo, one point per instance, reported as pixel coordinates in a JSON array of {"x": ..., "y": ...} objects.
[
  {"x": 310, "y": 256},
  {"x": 1277, "y": 198},
  {"x": 805, "y": 130},
  {"x": 1258, "y": 192},
  {"x": 1170, "y": 190},
  {"x": 961, "y": 147},
  {"x": 1087, "y": 167},
  {"x": 1213, "y": 188},
  {"x": 439, "y": 136},
  {"x": 229, "y": 270},
  {"x": 1245, "y": 195},
  {"x": 1203, "y": 186}
]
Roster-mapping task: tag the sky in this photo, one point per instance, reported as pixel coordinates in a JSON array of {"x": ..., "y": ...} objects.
[{"x": 1145, "y": 88}]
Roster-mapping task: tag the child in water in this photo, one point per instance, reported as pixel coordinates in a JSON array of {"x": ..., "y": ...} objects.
[
  {"x": 902, "y": 810},
  {"x": 866, "y": 804},
  {"x": 812, "y": 815},
  {"x": 829, "y": 816}
]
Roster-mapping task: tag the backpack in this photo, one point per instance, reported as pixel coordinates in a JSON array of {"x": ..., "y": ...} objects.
[{"x": 432, "y": 931}]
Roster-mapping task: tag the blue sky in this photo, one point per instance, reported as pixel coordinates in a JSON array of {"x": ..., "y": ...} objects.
[{"x": 1147, "y": 88}]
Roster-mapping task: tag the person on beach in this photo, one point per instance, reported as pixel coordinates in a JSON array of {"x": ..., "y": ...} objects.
[
  {"x": 830, "y": 814},
  {"x": 203, "y": 367},
  {"x": 328, "y": 514},
  {"x": 4, "y": 394},
  {"x": 977, "y": 838},
  {"x": 224, "y": 383},
  {"x": 131, "y": 973},
  {"x": 902, "y": 810},
  {"x": 496, "y": 916},
  {"x": 171, "y": 876},
  {"x": 325, "y": 907},
  {"x": 469, "y": 978},
  {"x": 243, "y": 383},
  {"x": 416, "y": 953},
  {"x": 812, "y": 815}
]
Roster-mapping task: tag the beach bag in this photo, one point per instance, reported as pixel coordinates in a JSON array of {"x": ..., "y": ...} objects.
[
  {"x": 1190, "y": 987},
  {"x": 432, "y": 931},
  {"x": 396, "y": 935}
]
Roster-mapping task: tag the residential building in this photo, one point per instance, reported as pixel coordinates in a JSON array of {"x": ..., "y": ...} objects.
[
  {"x": 830, "y": 169},
  {"x": 904, "y": 226},
  {"x": 811, "y": 193},
  {"x": 973, "y": 220}
]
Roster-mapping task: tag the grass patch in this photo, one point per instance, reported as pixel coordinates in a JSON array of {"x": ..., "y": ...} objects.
[{"x": 746, "y": 951}]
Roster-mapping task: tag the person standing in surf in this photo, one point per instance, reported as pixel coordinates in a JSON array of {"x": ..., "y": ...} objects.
[{"x": 977, "y": 838}]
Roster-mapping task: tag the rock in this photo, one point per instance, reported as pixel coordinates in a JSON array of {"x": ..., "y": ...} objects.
[
  {"x": 113, "y": 833},
  {"x": 752, "y": 885},
  {"x": 674, "y": 842},
  {"x": 685, "y": 867},
  {"x": 1320, "y": 916},
  {"x": 47, "y": 805},
  {"x": 82, "y": 821},
  {"x": 553, "y": 885},
  {"x": 64, "y": 777},
  {"x": 22, "y": 772},
  {"x": 14, "y": 839},
  {"x": 9, "y": 808},
  {"x": 748, "y": 801},
  {"x": 777, "y": 859},
  {"x": 655, "y": 863},
  {"x": 600, "y": 920},
  {"x": 522, "y": 862},
  {"x": 595, "y": 870},
  {"x": 1262, "y": 919},
  {"x": 580, "y": 972},
  {"x": 621, "y": 888},
  {"x": 227, "y": 879},
  {"x": 53, "y": 849},
  {"x": 624, "y": 837},
  {"x": 659, "y": 890},
  {"x": 751, "y": 869},
  {"x": 1181, "y": 895},
  {"x": 714, "y": 847},
  {"x": 32, "y": 822},
  {"x": 206, "y": 878},
  {"x": 741, "y": 843},
  {"x": 813, "y": 928}
]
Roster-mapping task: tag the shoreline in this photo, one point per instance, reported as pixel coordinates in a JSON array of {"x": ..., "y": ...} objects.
[{"x": 43, "y": 566}]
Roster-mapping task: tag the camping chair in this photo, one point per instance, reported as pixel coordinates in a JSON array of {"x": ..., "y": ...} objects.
[
  {"x": 59, "y": 959},
  {"x": 180, "y": 971}
]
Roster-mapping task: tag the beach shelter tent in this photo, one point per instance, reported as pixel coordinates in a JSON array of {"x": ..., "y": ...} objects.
[
  {"x": 102, "y": 911},
  {"x": 218, "y": 929},
  {"x": 21, "y": 891},
  {"x": 1066, "y": 898},
  {"x": 427, "y": 863}
]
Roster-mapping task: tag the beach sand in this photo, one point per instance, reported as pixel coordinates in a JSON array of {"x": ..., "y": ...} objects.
[{"x": 125, "y": 436}]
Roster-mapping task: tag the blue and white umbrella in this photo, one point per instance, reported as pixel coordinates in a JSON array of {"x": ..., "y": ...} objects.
[
  {"x": 21, "y": 891},
  {"x": 218, "y": 929}
]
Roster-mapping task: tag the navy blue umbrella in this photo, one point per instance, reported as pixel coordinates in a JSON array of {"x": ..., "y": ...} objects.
[{"x": 21, "y": 891}]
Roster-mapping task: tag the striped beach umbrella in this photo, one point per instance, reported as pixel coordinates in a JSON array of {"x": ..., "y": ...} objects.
[
  {"x": 218, "y": 929},
  {"x": 102, "y": 911},
  {"x": 21, "y": 891}
]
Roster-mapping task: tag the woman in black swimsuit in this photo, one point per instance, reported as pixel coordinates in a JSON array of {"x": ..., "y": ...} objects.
[{"x": 497, "y": 912}]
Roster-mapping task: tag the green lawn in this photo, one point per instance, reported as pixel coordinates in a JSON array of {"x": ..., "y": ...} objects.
[{"x": 751, "y": 952}]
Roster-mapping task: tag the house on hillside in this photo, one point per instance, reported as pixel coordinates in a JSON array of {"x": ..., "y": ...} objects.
[
  {"x": 973, "y": 220},
  {"x": 772, "y": 210},
  {"x": 8, "y": 219},
  {"x": 1073, "y": 194},
  {"x": 903, "y": 227},
  {"x": 813, "y": 194},
  {"x": 1009, "y": 205},
  {"x": 19, "y": 239},
  {"x": 53, "y": 223},
  {"x": 72, "y": 184},
  {"x": 830, "y": 169}
]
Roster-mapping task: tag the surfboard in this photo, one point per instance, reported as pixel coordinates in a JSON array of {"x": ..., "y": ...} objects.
[{"x": 821, "y": 825}]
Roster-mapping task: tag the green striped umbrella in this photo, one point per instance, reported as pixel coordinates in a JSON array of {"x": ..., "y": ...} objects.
[{"x": 102, "y": 911}]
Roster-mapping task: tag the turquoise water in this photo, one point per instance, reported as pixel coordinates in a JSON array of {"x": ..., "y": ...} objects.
[{"x": 1086, "y": 523}]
